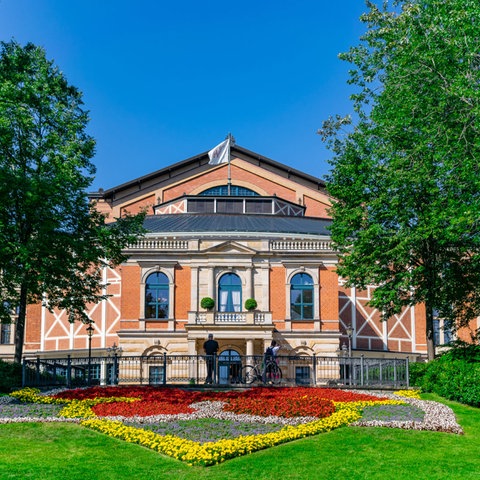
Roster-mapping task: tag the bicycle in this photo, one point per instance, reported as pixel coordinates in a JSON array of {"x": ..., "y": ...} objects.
[{"x": 270, "y": 373}]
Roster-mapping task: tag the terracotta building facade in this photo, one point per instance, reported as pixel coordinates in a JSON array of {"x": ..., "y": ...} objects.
[{"x": 251, "y": 228}]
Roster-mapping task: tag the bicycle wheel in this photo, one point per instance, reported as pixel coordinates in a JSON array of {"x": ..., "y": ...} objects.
[
  {"x": 273, "y": 374},
  {"x": 249, "y": 374}
]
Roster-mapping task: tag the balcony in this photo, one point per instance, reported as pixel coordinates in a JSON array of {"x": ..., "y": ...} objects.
[{"x": 230, "y": 318}]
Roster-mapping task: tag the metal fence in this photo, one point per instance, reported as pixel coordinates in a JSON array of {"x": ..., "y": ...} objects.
[{"x": 192, "y": 369}]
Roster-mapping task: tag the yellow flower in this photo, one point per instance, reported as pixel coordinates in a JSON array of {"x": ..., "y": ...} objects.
[
  {"x": 408, "y": 393},
  {"x": 210, "y": 453}
]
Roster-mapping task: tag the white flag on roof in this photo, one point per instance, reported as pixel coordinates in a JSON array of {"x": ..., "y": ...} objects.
[{"x": 220, "y": 153}]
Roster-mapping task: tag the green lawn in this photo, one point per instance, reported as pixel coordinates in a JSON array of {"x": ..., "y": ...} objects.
[{"x": 66, "y": 451}]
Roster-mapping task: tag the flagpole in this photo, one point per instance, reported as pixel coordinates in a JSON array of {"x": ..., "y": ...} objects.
[{"x": 230, "y": 143}]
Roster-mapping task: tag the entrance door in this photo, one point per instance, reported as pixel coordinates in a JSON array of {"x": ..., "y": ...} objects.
[{"x": 229, "y": 367}]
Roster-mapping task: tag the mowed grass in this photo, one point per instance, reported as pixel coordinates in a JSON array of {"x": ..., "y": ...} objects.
[{"x": 47, "y": 451}]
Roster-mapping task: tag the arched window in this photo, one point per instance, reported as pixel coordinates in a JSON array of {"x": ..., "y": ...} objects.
[
  {"x": 230, "y": 293},
  {"x": 156, "y": 296},
  {"x": 301, "y": 297},
  {"x": 235, "y": 191}
]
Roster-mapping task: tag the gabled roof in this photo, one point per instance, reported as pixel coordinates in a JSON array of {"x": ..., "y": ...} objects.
[
  {"x": 209, "y": 224},
  {"x": 202, "y": 160}
]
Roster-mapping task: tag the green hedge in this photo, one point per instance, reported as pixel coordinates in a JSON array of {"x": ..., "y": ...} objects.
[
  {"x": 452, "y": 378},
  {"x": 10, "y": 376}
]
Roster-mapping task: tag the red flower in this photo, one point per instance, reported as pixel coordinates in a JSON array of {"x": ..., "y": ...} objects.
[{"x": 286, "y": 402}]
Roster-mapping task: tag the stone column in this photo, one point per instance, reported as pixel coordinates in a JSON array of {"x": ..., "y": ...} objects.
[
  {"x": 211, "y": 283},
  {"x": 192, "y": 350},
  {"x": 249, "y": 351},
  {"x": 265, "y": 288},
  {"x": 192, "y": 371},
  {"x": 249, "y": 283}
]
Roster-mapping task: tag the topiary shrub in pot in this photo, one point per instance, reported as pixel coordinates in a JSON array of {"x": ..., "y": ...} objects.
[
  {"x": 207, "y": 302},
  {"x": 250, "y": 304}
]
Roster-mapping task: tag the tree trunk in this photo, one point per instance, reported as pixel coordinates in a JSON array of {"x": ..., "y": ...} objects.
[
  {"x": 20, "y": 325},
  {"x": 429, "y": 332}
]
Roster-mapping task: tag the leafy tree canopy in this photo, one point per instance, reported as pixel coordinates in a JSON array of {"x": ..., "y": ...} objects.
[
  {"x": 53, "y": 243},
  {"x": 405, "y": 174}
]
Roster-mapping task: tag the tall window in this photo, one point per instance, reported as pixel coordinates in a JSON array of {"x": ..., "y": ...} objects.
[
  {"x": 156, "y": 296},
  {"x": 301, "y": 297},
  {"x": 5, "y": 337},
  {"x": 230, "y": 293},
  {"x": 442, "y": 334}
]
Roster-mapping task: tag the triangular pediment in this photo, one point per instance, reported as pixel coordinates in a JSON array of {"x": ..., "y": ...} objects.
[{"x": 230, "y": 247}]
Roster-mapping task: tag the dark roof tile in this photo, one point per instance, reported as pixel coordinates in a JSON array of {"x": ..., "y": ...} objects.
[{"x": 216, "y": 223}]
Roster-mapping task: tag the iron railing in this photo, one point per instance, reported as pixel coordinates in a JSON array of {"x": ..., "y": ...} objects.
[{"x": 192, "y": 369}]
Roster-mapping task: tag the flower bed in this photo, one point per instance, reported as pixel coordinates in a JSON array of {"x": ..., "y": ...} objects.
[
  {"x": 438, "y": 417},
  {"x": 147, "y": 415},
  {"x": 211, "y": 453}
]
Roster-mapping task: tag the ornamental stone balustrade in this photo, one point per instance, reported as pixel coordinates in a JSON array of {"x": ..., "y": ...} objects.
[{"x": 230, "y": 318}]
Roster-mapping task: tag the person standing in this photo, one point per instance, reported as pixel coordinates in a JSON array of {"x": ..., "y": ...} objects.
[
  {"x": 211, "y": 348},
  {"x": 269, "y": 358},
  {"x": 272, "y": 351}
]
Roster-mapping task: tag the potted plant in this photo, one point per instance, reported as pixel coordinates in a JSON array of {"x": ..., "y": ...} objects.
[
  {"x": 250, "y": 304},
  {"x": 207, "y": 302}
]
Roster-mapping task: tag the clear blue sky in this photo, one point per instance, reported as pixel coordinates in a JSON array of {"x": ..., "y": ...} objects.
[{"x": 167, "y": 80}]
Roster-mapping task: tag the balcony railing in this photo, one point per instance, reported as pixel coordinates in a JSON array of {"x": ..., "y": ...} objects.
[
  {"x": 301, "y": 245},
  {"x": 230, "y": 318},
  {"x": 159, "y": 244}
]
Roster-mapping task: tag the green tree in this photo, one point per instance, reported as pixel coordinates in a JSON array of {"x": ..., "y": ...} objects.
[
  {"x": 53, "y": 243},
  {"x": 405, "y": 174}
]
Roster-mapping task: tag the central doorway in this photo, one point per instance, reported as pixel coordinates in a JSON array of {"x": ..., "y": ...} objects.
[{"x": 229, "y": 367}]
